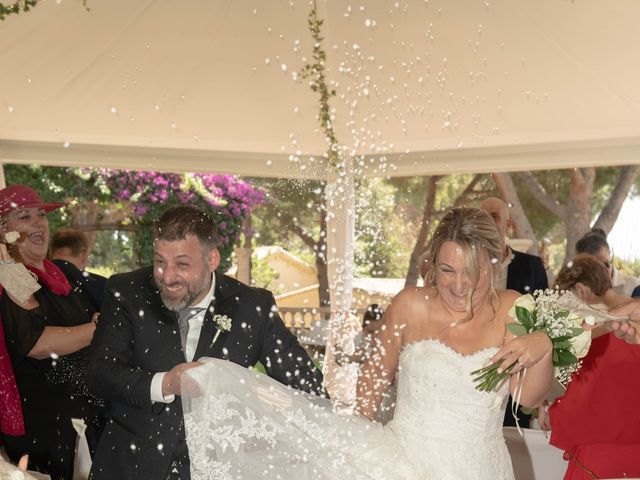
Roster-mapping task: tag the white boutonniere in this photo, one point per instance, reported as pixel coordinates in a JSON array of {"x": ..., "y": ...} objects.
[{"x": 223, "y": 323}]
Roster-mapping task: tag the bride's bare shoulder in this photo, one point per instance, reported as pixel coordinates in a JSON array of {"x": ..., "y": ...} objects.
[
  {"x": 414, "y": 295},
  {"x": 508, "y": 296},
  {"x": 411, "y": 302}
]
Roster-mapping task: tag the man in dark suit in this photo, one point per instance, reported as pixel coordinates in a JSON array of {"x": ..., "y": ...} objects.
[
  {"x": 155, "y": 322},
  {"x": 69, "y": 250},
  {"x": 520, "y": 271}
]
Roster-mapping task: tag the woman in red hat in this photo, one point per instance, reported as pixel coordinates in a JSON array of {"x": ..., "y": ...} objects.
[{"x": 46, "y": 327}]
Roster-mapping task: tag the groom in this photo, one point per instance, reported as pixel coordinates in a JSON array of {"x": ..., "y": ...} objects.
[{"x": 155, "y": 322}]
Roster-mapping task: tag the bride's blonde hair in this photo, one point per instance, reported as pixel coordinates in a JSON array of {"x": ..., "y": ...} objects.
[{"x": 475, "y": 232}]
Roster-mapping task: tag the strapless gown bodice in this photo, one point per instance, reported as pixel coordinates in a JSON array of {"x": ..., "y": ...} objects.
[
  {"x": 246, "y": 425},
  {"x": 447, "y": 427}
]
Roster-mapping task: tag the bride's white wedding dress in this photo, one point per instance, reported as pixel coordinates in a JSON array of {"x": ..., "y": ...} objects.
[{"x": 244, "y": 425}]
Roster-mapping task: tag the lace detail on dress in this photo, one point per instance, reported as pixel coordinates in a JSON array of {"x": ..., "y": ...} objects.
[
  {"x": 256, "y": 428},
  {"x": 246, "y": 425},
  {"x": 450, "y": 429},
  {"x": 226, "y": 427}
]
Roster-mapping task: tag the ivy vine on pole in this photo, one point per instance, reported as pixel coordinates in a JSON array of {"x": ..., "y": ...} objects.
[
  {"x": 15, "y": 8},
  {"x": 315, "y": 71},
  {"x": 24, "y": 6}
]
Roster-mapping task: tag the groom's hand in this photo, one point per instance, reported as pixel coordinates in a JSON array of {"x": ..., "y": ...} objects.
[{"x": 172, "y": 379}]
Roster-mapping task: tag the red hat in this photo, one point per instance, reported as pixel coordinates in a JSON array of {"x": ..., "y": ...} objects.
[{"x": 21, "y": 196}]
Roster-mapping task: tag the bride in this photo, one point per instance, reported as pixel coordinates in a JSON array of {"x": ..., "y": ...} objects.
[{"x": 241, "y": 424}]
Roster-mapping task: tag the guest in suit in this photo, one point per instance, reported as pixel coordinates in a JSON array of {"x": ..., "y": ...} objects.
[
  {"x": 520, "y": 271},
  {"x": 69, "y": 250},
  {"x": 155, "y": 322}
]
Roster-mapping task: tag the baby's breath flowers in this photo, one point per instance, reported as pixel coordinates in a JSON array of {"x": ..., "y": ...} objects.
[
  {"x": 543, "y": 313},
  {"x": 223, "y": 324}
]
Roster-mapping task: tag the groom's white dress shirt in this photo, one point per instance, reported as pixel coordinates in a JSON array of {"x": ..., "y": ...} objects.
[{"x": 195, "y": 326}]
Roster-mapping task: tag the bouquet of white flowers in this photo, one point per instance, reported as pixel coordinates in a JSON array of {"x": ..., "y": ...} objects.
[{"x": 543, "y": 312}]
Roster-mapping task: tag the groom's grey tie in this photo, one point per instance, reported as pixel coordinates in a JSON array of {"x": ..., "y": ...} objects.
[{"x": 184, "y": 316}]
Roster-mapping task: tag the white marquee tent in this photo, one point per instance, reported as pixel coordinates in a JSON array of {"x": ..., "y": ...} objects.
[{"x": 424, "y": 86}]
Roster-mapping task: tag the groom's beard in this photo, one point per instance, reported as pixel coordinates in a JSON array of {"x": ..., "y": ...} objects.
[{"x": 193, "y": 290}]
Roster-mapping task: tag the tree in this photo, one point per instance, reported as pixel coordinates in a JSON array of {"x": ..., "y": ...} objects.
[
  {"x": 122, "y": 200},
  {"x": 577, "y": 210},
  {"x": 380, "y": 232},
  {"x": 453, "y": 193},
  {"x": 298, "y": 207},
  {"x": 421, "y": 246},
  {"x": 146, "y": 195},
  {"x": 521, "y": 225}
]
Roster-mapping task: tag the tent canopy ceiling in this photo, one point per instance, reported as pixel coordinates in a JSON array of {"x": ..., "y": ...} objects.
[{"x": 422, "y": 87}]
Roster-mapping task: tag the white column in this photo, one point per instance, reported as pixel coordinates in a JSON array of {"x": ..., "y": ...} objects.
[
  {"x": 3, "y": 180},
  {"x": 340, "y": 200}
]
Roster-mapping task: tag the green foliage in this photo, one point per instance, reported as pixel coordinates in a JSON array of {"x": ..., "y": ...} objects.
[
  {"x": 144, "y": 196},
  {"x": 53, "y": 184},
  {"x": 112, "y": 252},
  {"x": 626, "y": 267},
  {"x": 557, "y": 183},
  {"x": 526, "y": 318},
  {"x": 262, "y": 274},
  {"x": 517, "y": 329},
  {"x": 225, "y": 198},
  {"x": 318, "y": 83},
  {"x": 16, "y": 8},
  {"x": 379, "y": 250},
  {"x": 290, "y": 204},
  {"x": 24, "y": 6},
  {"x": 389, "y": 212},
  {"x": 388, "y": 216}
]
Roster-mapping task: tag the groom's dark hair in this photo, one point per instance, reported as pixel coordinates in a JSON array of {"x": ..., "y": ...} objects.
[{"x": 178, "y": 222}]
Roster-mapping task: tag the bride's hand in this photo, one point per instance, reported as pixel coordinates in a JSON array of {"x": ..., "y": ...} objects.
[{"x": 523, "y": 351}]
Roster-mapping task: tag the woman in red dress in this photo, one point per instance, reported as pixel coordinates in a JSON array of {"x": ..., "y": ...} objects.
[{"x": 597, "y": 421}]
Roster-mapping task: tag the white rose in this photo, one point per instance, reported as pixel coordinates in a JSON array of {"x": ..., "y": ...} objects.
[
  {"x": 577, "y": 319},
  {"x": 525, "y": 301},
  {"x": 580, "y": 344},
  {"x": 12, "y": 236}
]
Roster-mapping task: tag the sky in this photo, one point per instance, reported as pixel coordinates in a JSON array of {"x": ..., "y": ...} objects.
[{"x": 624, "y": 238}]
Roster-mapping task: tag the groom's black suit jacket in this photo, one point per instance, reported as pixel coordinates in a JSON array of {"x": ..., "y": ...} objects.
[{"x": 138, "y": 336}]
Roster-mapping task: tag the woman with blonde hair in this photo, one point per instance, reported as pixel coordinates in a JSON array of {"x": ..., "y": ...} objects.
[{"x": 433, "y": 337}]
